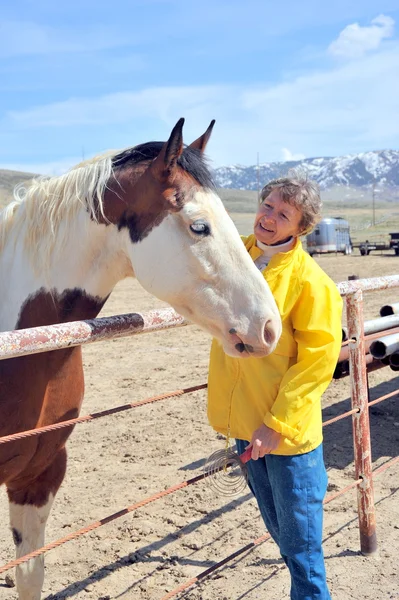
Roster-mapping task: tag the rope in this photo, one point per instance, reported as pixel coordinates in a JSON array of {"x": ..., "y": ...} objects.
[
  {"x": 124, "y": 407},
  {"x": 381, "y": 398},
  {"x": 96, "y": 524},
  {"x": 357, "y": 410},
  {"x": 342, "y": 416},
  {"x": 98, "y": 415}
]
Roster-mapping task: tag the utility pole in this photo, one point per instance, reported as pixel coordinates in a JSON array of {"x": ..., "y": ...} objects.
[
  {"x": 373, "y": 192},
  {"x": 257, "y": 175}
]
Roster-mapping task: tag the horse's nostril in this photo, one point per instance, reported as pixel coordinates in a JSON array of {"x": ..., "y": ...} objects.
[
  {"x": 269, "y": 333},
  {"x": 240, "y": 347}
]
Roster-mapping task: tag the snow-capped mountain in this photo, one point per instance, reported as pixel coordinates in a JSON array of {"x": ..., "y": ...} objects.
[{"x": 381, "y": 167}]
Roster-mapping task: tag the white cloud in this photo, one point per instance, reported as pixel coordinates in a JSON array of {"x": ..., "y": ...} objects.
[
  {"x": 354, "y": 41},
  {"x": 348, "y": 108},
  {"x": 121, "y": 107},
  {"x": 289, "y": 156}
]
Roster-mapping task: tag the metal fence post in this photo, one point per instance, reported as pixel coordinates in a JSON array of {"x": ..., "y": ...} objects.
[{"x": 361, "y": 423}]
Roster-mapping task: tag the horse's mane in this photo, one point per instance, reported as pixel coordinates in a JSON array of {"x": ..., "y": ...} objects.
[{"x": 46, "y": 202}]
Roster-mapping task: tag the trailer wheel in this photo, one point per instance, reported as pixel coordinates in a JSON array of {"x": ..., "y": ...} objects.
[
  {"x": 397, "y": 251},
  {"x": 363, "y": 251}
]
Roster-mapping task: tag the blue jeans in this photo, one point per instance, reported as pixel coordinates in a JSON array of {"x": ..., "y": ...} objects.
[{"x": 290, "y": 492}]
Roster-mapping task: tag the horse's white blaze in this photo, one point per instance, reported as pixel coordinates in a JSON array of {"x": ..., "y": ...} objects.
[
  {"x": 209, "y": 279},
  {"x": 29, "y": 523}
]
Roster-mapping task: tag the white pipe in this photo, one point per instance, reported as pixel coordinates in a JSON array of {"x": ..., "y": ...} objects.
[{"x": 385, "y": 346}]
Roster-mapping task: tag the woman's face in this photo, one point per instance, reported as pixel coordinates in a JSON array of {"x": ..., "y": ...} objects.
[{"x": 276, "y": 221}]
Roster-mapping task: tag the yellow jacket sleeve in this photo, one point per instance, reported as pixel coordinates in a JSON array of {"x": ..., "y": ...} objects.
[{"x": 316, "y": 321}]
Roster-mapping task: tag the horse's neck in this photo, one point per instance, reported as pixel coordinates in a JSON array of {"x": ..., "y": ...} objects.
[{"x": 80, "y": 275}]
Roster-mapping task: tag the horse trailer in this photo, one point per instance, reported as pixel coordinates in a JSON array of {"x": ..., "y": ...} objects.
[{"x": 330, "y": 235}]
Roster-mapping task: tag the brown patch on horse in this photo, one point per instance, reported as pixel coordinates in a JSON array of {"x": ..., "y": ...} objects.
[
  {"x": 53, "y": 382},
  {"x": 141, "y": 202},
  {"x": 154, "y": 179}
]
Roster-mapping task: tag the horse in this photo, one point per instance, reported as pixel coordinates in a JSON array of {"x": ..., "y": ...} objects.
[{"x": 150, "y": 212}]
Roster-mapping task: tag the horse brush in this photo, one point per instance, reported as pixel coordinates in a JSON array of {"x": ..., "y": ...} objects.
[{"x": 227, "y": 472}]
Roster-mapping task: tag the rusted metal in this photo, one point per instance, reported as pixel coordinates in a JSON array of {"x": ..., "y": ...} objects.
[
  {"x": 368, "y": 285},
  {"x": 76, "y": 333},
  {"x": 360, "y": 420}
]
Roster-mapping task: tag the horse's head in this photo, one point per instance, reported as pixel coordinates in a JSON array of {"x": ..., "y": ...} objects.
[{"x": 183, "y": 246}]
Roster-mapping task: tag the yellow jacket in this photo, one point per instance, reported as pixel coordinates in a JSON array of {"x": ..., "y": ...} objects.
[{"x": 282, "y": 390}]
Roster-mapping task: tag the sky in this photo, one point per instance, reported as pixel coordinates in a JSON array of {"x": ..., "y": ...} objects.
[{"x": 284, "y": 80}]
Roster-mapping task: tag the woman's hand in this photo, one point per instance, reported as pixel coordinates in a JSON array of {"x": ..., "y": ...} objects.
[{"x": 264, "y": 440}]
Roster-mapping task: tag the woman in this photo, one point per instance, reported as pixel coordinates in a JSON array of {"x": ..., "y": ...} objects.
[{"x": 273, "y": 404}]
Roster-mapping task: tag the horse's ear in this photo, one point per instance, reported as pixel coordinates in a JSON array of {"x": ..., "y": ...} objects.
[
  {"x": 201, "y": 142},
  {"x": 164, "y": 164}
]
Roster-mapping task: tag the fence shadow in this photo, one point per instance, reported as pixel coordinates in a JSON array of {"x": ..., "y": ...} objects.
[
  {"x": 338, "y": 437},
  {"x": 144, "y": 554}
]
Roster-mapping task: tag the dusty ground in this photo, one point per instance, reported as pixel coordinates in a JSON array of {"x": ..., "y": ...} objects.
[{"x": 117, "y": 461}]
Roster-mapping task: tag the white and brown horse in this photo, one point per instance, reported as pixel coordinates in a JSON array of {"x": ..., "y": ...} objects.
[{"x": 149, "y": 212}]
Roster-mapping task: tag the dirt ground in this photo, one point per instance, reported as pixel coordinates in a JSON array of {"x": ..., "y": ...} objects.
[{"x": 120, "y": 460}]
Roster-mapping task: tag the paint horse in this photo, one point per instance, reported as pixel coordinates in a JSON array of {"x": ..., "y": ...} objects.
[{"x": 149, "y": 212}]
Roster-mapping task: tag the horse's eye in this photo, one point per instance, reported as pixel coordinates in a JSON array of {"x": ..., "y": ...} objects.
[{"x": 200, "y": 227}]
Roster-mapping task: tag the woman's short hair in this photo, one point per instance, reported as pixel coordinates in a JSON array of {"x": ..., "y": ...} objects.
[{"x": 299, "y": 191}]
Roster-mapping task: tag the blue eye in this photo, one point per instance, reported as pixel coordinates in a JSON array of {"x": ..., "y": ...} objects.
[{"x": 200, "y": 227}]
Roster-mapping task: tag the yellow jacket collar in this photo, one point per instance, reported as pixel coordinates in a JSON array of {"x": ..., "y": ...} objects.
[{"x": 277, "y": 261}]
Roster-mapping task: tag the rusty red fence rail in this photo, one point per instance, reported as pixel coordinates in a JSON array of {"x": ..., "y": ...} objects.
[{"x": 77, "y": 333}]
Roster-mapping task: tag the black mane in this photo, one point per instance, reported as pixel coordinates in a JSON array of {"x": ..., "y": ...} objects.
[{"x": 191, "y": 160}]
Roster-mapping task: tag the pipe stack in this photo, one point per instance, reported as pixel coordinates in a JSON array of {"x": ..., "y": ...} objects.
[{"x": 382, "y": 350}]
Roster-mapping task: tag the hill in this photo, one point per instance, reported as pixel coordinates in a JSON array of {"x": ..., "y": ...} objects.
[{"x": 8, "y": 180}]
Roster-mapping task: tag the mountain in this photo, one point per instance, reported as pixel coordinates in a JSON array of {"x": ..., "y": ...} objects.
[{"x": 380, "y": 167}]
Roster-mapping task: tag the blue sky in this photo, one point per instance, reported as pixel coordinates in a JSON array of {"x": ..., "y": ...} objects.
[{"x": 286, "y": 79}]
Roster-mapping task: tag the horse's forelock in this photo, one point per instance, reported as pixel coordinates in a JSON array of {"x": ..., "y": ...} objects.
[{"x": 192, "y": 161}]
